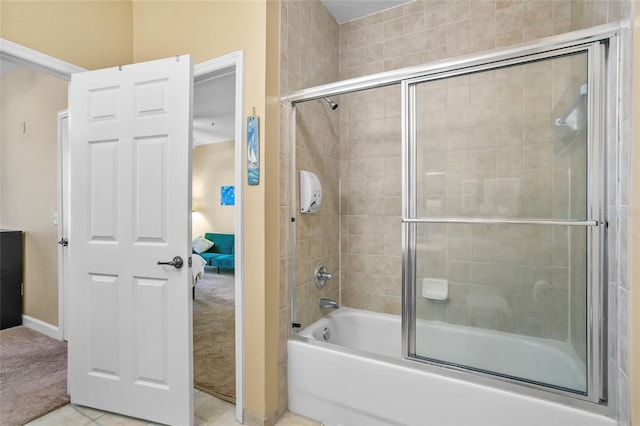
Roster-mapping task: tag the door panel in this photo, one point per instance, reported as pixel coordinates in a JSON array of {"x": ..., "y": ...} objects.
[
  {"x": 104, "y": 331},
  {"x": 103, "y": 173},
  {"x": 150, "y": 187},
  {"x": 130, "y": 348},
  {"x": 151, "y": 322}
]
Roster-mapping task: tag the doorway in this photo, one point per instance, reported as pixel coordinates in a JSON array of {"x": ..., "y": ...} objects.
[
  {"x": 235, "y": 61},
  {"x": 213, "y": 232},
  {"x": 233, "y": 64}
]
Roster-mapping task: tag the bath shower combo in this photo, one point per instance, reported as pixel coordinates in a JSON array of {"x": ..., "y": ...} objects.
[{"x": 502, "y": 243}]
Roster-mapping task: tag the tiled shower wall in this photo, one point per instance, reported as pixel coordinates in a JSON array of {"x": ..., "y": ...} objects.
[
  {"x": 370, "y": 200},
  {"x": 308, "y": 57},
  {"x": 425, "y": 31},
  {"x": 311, "y": 55}
]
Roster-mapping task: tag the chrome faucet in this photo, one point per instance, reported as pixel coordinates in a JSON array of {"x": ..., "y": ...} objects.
[{"x": 327, "y": 303}]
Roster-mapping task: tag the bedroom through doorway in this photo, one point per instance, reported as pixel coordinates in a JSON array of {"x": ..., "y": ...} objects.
[{"x": 213, "y": 225}]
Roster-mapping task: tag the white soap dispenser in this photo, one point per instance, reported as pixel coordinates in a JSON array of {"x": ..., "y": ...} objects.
[{"x": 310, "y": 192}]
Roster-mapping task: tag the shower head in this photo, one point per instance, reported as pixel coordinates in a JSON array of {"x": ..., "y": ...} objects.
[{"x": 331, "y": 103}]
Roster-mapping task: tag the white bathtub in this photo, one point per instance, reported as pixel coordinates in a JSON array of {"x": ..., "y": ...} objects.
[{"x": 358, "y": 378}]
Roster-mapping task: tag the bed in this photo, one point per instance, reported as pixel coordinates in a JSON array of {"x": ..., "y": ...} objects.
[{"x": 197, "y": 268}]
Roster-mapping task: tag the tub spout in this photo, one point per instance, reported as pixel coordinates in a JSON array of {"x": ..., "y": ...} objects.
[{"x": 328, "y": 303}]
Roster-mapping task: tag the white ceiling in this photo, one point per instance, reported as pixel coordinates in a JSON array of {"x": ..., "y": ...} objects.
[{"x": 348, "y": 10}]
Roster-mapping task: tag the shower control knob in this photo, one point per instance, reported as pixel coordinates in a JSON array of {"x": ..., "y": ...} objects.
[{"x": 321, "y": 276}]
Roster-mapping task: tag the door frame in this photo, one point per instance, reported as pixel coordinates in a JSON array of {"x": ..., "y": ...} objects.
[
  {"x": 236, "y": 60},
  {"x": 62, "y": 217},
  {"x": 39, "y": 61}
]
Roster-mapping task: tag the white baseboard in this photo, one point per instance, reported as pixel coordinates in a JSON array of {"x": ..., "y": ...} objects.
[{"x": 41, "y": 327}]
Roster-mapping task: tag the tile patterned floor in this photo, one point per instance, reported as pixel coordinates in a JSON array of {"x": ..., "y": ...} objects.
[{"x": 208, "y": 411}]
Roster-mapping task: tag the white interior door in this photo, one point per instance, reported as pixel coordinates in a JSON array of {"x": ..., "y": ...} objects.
[{"x": 130, "y": 331}]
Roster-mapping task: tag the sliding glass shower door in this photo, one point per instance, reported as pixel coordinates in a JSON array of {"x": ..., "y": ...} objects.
[{"x": 502, "y": 208}]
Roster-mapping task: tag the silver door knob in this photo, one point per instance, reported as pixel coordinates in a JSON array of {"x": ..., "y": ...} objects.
[{"x": 176, "y": 262}]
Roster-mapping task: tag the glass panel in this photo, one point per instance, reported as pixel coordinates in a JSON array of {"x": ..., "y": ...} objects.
[
  {"x": 371, "y": 200},
  {"x": 317, "y": 234},
  {"x": 355, "y": 150},
  {"x": 504, "y": 143},
  {"x": 505, "y": 299},
  {"x": 509, "y": 300}
]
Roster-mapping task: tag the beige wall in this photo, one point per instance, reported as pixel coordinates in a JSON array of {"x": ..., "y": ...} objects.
[
  {"x": 28, "y": 180},
  {"x": 206, "y": 30},
  {"x": 273, "y": 397},
  {"x": 213, "y": 167},
  {"x": 96, "y": 34},
  {"x": 80, "y": 33},
  {"x": 90, "y": 34}
]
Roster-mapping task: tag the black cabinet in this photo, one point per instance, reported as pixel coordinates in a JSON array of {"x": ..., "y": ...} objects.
[{"x": 10, "y": 278}]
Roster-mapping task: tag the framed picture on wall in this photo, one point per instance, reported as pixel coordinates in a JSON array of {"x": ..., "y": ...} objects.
[{"x": 227, "y": 195}]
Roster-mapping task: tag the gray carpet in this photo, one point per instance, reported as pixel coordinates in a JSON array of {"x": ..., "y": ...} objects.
[
  {"x": 33, "y": 375},
  {"x": 214, "y": 358}
]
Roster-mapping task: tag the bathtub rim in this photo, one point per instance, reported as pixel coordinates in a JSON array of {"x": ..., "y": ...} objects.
[{"x": 460, "y": 373}]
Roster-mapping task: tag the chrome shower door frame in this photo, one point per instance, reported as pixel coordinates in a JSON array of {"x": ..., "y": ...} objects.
[{"x": 595, "y": 223}]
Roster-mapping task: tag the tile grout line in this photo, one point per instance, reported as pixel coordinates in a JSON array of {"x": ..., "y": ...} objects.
[{"x": 93, "y": 421}]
